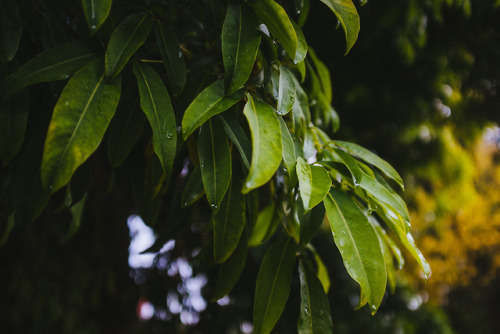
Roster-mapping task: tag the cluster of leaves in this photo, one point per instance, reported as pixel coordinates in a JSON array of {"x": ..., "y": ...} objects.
[{"x": 241, "y": 124}]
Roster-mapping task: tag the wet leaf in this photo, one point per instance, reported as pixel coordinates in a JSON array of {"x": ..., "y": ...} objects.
[
  {"x": 346, "y": 13},
  {"x": 314, "y": 183},
  {"x": 96, "y": 12}
]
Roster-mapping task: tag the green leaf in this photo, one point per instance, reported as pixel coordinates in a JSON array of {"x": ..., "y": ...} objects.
[
  {"x": 54, "y": 64},
  {"x": 351, "y": 164},
  {"x": 79, "y": 121},
  {"x": 13, "y": 117},
  {"x": 77, "y": 211},
  {"x": 210, "y": 102},
  {"x": 323, "y": 75},
  {"x": 273, "y": 285},
  {"x": 314, "y": 306},
  {"x": 310, "y": 222},
  {"x": 288, "y": 151},
  {"x": 194, "y": 188},
  {"x": 229, "y": 223},
  {"x": 125, "y": 128},
  {"x": 11, "y": 28},
  {"x": 386, "y": 251},
  {"x": 170, "y": 50},
  {"x": 391, "y": 219},
  {"x": 96, "y": 12},
  {"x": 230, "y": 271},
  {"x": 286, "y": 91},
  {"x": 266, "y": 142},
  {"x": 346, "y": 13},
  {"x": 371, "y": 158},
  {"x": 314, "y": 183},
  {"x": 155, "y": 103},
  {"x": 262, "y": 226},
  {"x": 359, "y": 247},
  {"x": 277, "y": 21},
  {"x": 237, "y": 136},
  {"x": 240, "y": 42},
  {"x": 127, "y": 37},
  {"x": 322, "y": 271},
  {"x": 215, "y": 161},
  {"x": 301, "y": 52},
  {"x": 384, "y": 197}
]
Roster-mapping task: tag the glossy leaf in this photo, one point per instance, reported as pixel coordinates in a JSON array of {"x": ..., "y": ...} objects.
[
  {"x": 194, "y": 188},
  {"x": 359, "y": 247},
  {"x": 386, "y": 198},
  {"x": 11, "y": 28},
  {"x": 314, "y": 183},
  {"x": 96, "y": 12},
  {"x": 351, "y": 164},
  {"x": 127, "y": 37},
  {"x": 230, "y": 271},
  {"x": 346, "y": 13},
  {"x": 266, "y": 142},
  {"x": 288, "y": 152},
  {"x": 125, "y": 128},
  {"x": 322, "y": 272},
  {"x": 301, "y": 52},
  {"x": 240, "y": 42},
  {"x": 170, "y": 51},
  {"x": 155, "y": 103},
  {"x": 262, "y": 225},
  {"x": 278, "y": 22},
  {"x": 229, "y": 223},
  {"x": 314, "y": 305},
  {"x": 79, "y": 121},
  {"x": 286, "y": 91},
  {"x": 54, "y": 64},
  {"x": 13, "y": 117},
  {"x": 273, "y": 285},
  {"x": 386, "y": 251},
  {"x": 210, "y": 102},
  {"x": 215, "y": 161},
  {"x": 310, "y": 222},
  {"x": 238, "y": 137},
  {"x": 372, "y": 159}
]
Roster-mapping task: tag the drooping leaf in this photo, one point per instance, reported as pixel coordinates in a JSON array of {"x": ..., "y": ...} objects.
[
  {"x": 346, "y": 13},
  {"x": 323, "y": 75},
  {"x": 210, "y": 102},
  {"x": 321, "y": 271},
  {"x": 314, "y": 305},
  {"x": 13, "y": 117},
  {"x": 302, "y": 48},
  {"x": 266, "y": 142},
  {"x": 125, "y": 128},
  {"x": 273, "y": 285},
  {"x": 371, "y": 158},
  {"x": 54, "y": 64},
  {"x": 238, "y": 137},
  {"x": 314, "y": 183},
  {"x": 351, "y": 164},
  {"x": 240, "y": 42},
  {"x": 384, "y": 197},
  {"x": 155, "y": 103},
  {"x": 310, "y": 222},
  {"x": 262, "y": 225},
  {"x": 230, "y": 271},
  {"x": 170, "y": 50},
  {"x": 127, "y": 37},
  {"x": 288, "y": 151},
  {"x": 194, "y": 188},
  {"x": 286, "y": 91},
  {"x": 215, "y": 161},
  {"x": 79, "y": 120},
  {"x": 386, "y": 251},
  {"x": 359, "y": 247},
  {"x": 229, "y": 223},
  {"x": 96, "y": 12},
  {"x": 77, "y": 211},
  {"x": 278, "y": 22},
  {"x": 11, "y": 28}
]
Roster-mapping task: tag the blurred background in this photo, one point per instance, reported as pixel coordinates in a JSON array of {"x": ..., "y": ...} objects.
[{"x": 419, "y": 88}]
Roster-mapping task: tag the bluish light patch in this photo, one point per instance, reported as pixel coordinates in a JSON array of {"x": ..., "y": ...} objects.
[
  {"x": 246, "y": 327},
  {"x": 147, "y": 311},
  {"x": 142, "y": 237},
  {"x": 224, "y": 301}
]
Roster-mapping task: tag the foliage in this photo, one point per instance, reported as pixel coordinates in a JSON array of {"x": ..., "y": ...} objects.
[{"x": 237, "y": 142}]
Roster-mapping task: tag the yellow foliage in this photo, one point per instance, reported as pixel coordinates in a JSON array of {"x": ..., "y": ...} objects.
[{"x": 456, "y": 216}]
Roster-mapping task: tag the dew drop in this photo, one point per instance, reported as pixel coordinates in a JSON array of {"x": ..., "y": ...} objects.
[
  {"x": 66, "y": 103},
  {"x": 170, "y": 135},
  {"x": 214, "y": 206}
]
